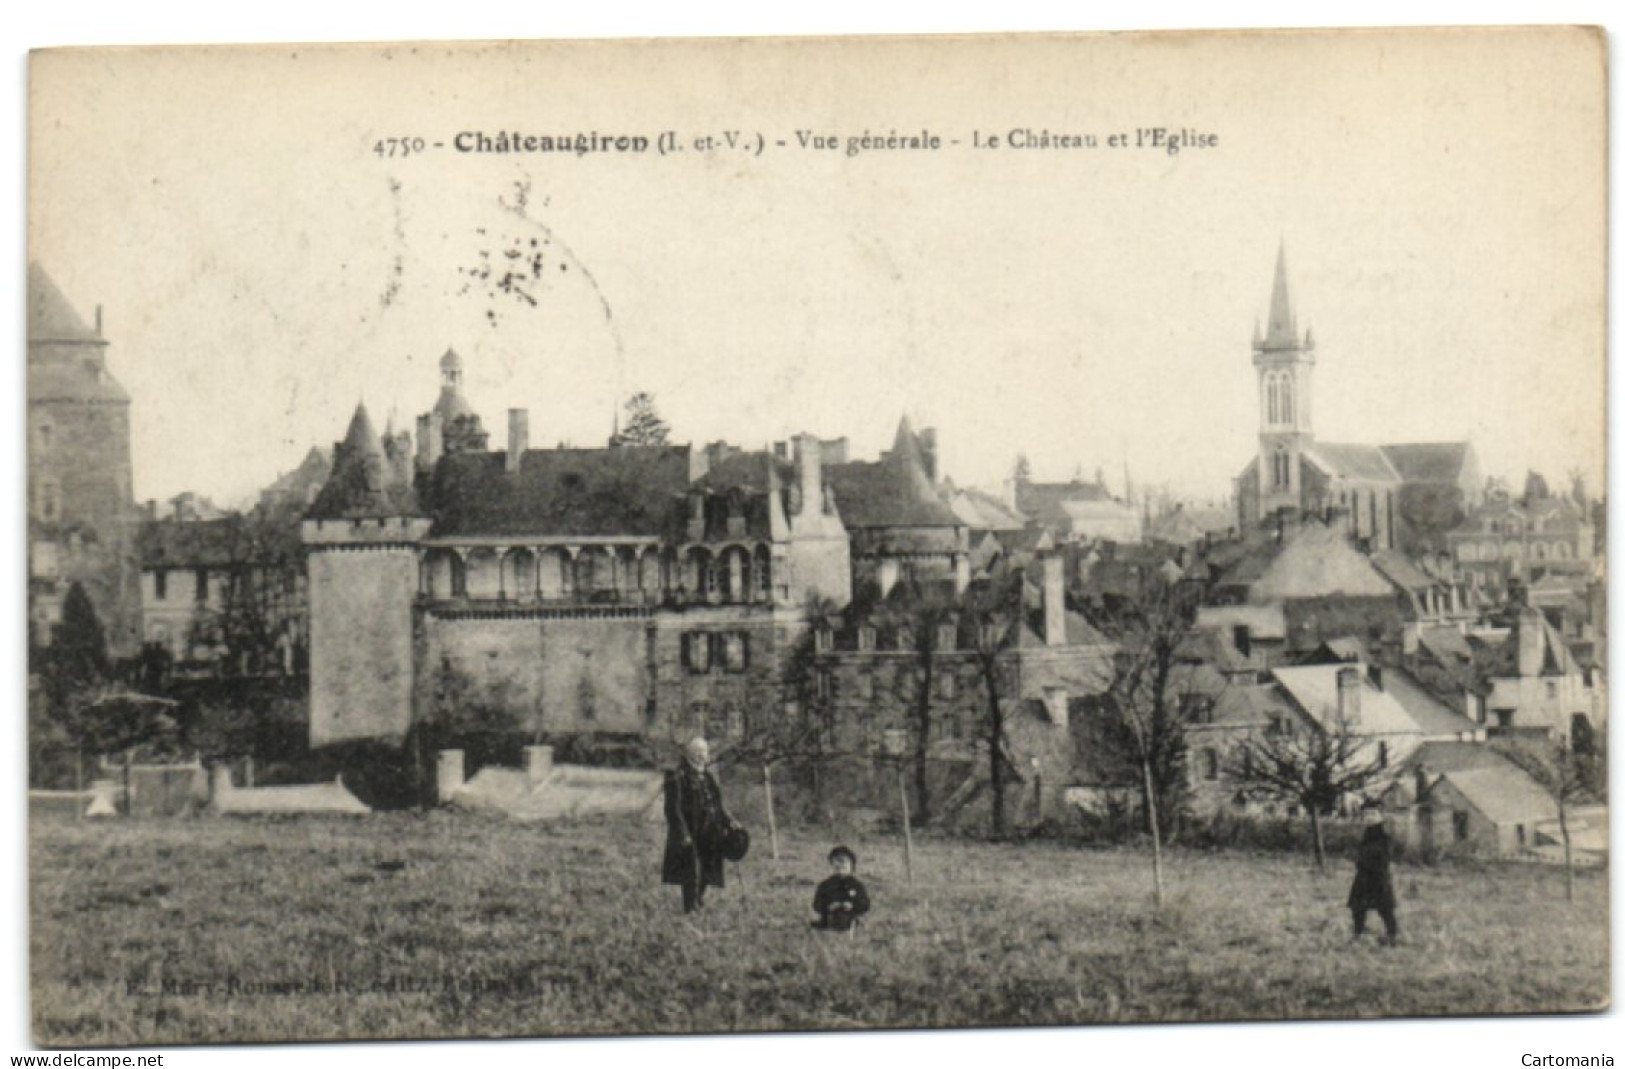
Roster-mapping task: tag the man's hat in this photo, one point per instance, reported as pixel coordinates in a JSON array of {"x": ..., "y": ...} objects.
[{"x": 735, "y": 842}]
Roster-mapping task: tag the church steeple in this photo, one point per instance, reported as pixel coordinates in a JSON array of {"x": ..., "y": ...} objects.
[
  {"x": 1285, "y": 361},
  {"x": 1283, "y": 324}
]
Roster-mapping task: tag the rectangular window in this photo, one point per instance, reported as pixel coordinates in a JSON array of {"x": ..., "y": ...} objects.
[
  {"x": 866, "y": 686},
  {"x": 697, "y": 652},
  {"x": 947, "y": 685},
  {"x": 735, "y": 651},
  {"x": 866, "y": 638},
  {"x": 200, "y": 589},
  {"x": 160, "y": 584}
]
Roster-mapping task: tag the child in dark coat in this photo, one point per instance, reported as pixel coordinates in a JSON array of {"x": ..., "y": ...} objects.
[
  {"x": 1373, "y": 882},
  {"x": 841, "y": 900}
]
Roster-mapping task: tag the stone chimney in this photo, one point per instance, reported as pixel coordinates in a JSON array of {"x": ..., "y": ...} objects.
[
  {"x": 1531, "y": 644},
  {"x": 431, "y": 440},
  {"x": 1010, "y": 494},
  {"x": 696, "y": 516},
  {"x": 1053, "y": 571},
  {"x": 518, "y": 437},
  {"x": 1348, "y": 696},
  {"x": 810, "y": 473}
]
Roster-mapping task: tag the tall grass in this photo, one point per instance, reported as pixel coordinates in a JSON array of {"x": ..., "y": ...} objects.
[{"x": 404, "y": 925}]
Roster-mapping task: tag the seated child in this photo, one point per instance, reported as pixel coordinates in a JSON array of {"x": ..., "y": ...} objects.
[{"x": 840, "y": 900}]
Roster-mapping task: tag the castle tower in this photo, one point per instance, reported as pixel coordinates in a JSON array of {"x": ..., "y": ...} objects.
[
  {"x": 362, "y": 535},
  {"x": 461, "y": 430},
  {"x": 1285, "y": 361},
  {"x": 81, "y": 511}
]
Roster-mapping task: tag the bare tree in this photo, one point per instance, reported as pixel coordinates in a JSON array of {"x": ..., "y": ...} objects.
[
  {"x": 1139, "y": 722},
  {"x": 992, "y": 610},
  {"x": 1569, "y": 776},
  {"x": 1314, "y": 769}
]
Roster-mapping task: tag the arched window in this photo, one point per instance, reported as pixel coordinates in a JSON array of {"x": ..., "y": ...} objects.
[
  {"x": 1274, "y": 399},
  {"x": 1283, "y": 469},
  {"x": 1286, "y": 398}
]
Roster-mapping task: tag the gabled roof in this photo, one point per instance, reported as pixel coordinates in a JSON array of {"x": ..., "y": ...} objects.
[
  {"x": 1313, "y": 688},
  {"x": 1349, "y": 460},
  {"x": 1044, "y": 501},
  {"x": 626, "y": 491},
  {"x": 1318, "y": 562},
  {"x": 1428, "y": 462},
  {"x": 987, "y": 512}
]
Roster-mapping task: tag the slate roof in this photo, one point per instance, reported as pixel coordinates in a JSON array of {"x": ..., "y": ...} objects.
[
  {"x": 1440, "y": 756},
  {"x": 992, "y": 512},
  {"x": 894, "y": 491},
  {"x": 1428, "y": 462},
  {"x": 1505, "y": 794},
  {"x": 626, "y": 491},
  {"x": 363, "y": 483},
  {"x": 171, "y": 543},
  {"x": 1367, "y": 463},
  {"x": 64, "y": 373},
  {"x": 748, "y": 471},
  {"x": 1434, "y": 717},
  {"x": 1043, "y": 501},
  {"x": 51, "y": 317},
  {"x": 1314, "y": 690},
  {"x": 1317, "y": 562},
  {"x": 1402, "y": 571}
]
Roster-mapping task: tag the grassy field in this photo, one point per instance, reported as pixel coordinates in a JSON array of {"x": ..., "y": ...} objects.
[{"x": 403, "y": 925}]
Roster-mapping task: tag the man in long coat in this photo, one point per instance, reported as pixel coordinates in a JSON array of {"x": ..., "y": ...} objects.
[
  {"x": 696, "y": 824},
  {"x": 1373, "y": 882}
]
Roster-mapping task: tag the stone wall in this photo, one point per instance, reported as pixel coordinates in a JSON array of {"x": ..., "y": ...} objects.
[{"x": 361, "y": 660}]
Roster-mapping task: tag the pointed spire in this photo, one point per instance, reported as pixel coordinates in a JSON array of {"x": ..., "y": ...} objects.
[
  {"x": 361, "y": 440},
  {"x": 1283, "y": 324}
]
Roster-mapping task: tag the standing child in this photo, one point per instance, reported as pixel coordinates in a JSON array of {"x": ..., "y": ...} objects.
[{"x": 841, "y": 900}]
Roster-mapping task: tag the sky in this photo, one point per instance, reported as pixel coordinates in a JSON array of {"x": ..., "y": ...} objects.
[{"x": 261, "y": 268}]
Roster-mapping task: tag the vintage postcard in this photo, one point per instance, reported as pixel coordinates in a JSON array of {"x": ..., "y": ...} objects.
[{"x": 712, "y": 536}]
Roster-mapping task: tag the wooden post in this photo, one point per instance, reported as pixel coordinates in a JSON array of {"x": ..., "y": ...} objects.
[
  {"x": 78, "y": 783},
  {"x": 908, "y": 834},
  {"x": 772, "y": 823},
  {"x": 129, "y": 797}
]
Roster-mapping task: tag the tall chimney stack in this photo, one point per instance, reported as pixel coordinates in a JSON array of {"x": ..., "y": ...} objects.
[
  {"x": 810, "y": 472},
  {"x": 518, "y": 437},
  {"x": 928, "y": 451},
  {"x": 1348, "y": 696},
  {"x": 1054, "y": 575}
]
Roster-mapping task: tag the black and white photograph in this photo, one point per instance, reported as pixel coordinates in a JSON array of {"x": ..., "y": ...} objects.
[{"x": 683, "y": 537}]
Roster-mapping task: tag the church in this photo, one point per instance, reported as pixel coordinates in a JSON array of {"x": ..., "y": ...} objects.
[{"x": 1402, "y": 495}]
